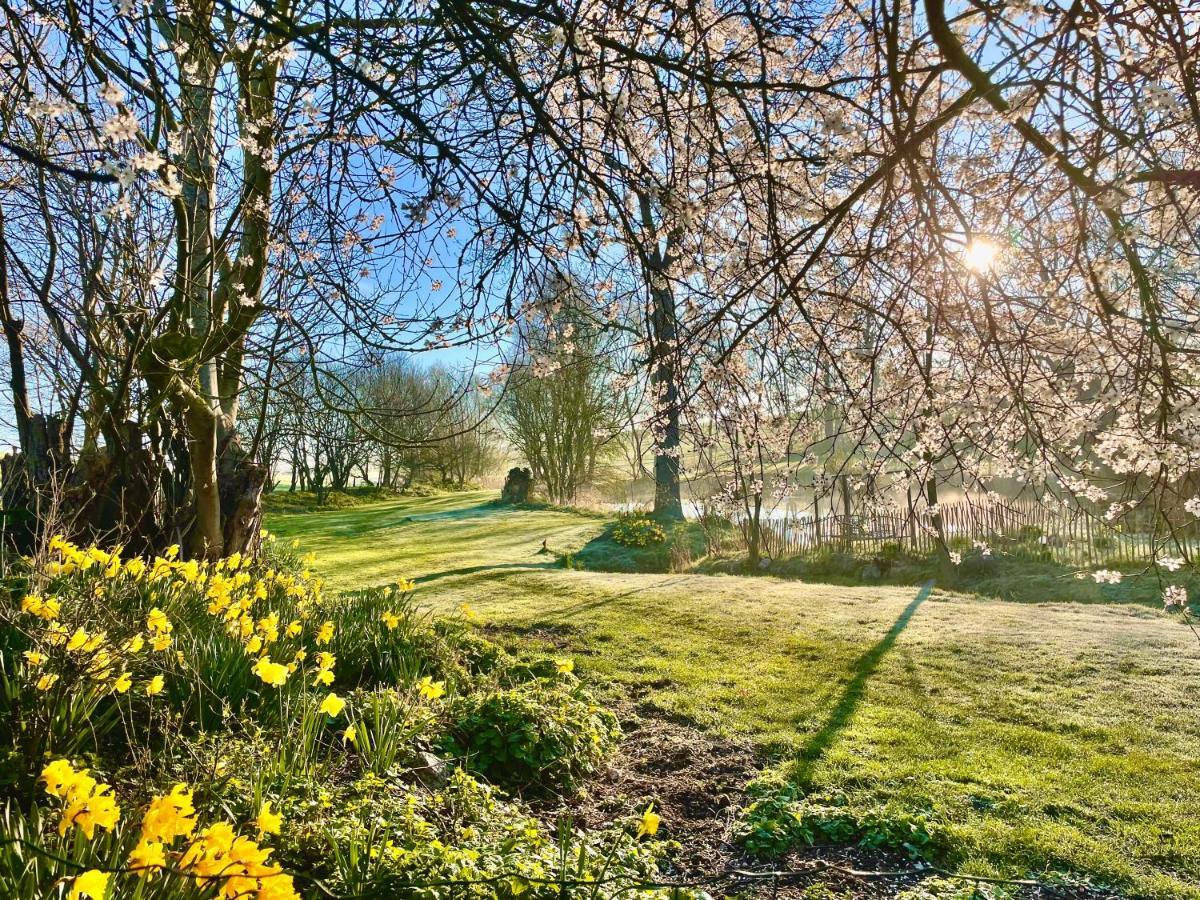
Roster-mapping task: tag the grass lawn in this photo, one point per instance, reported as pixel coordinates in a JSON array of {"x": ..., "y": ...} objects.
[{"x": 1036, "y": 738}]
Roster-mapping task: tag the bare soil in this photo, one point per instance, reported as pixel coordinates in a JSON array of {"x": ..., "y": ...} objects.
[{"x": 697, "y": 785}]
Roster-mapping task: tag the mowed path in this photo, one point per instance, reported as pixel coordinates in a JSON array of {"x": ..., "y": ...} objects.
[{"x": 1036, "y": 737}]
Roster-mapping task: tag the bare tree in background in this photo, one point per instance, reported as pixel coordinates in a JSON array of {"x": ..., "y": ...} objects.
[{"x": 561, "y": 407}]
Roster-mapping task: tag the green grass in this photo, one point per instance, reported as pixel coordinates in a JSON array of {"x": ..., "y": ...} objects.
[
  {"x": 282, "y": 500},
  {"x": 1052, "y": 737}
]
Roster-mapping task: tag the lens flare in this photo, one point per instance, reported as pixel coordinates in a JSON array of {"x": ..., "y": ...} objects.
[{"x": 981, "y": 255}]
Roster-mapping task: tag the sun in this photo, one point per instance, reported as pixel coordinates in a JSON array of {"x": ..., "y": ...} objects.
[{"x": 981, "y": 254}]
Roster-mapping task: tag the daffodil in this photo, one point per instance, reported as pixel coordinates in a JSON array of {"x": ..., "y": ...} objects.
[
  {"x": 649, "y": 822},
  {"x": 325, "y": 633},
  {"x": 147, "y": 857},
  {"x": 268, "y": 822},
  {"x": 391, "y": 620},
  {"x": 34, "y": 658},
  {"x": 123, "y": 683},
  {"x": 170, "y": 816},
  {"x": 154, "y": 686},
  {"x": 350, "y": 735},
  {"x": 430, "y": 689},
  {"x": 92, "y": 884},
  {"x": 564, "y": 666},
  {"x": 274, "y": 674},
  {"x": 89, "y": 805},
  {"x": 58, "y": 776},
  {"x": 332, "y": 706},
  {"x": 46, "y": 681}
]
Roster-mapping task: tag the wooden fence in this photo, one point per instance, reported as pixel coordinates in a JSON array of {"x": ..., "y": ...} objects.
[{"x": 1073, "y": 536}]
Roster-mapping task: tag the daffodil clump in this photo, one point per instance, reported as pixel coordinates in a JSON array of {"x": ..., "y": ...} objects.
[
  {"x": 260, "y": 736},
  {"x": 217, "y": 857},
  {"x": 638, "y": 532}
]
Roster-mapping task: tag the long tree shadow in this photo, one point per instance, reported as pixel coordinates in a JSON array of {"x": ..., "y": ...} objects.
[
  {"x": 820, "y": 742},
  {"x": 487, "y": 567}
]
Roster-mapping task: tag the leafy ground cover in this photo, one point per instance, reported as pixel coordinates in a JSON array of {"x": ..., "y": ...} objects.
[{"x": 1056, "y": 740}]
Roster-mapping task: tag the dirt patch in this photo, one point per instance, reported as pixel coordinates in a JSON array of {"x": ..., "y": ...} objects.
[
  {"x": 697, "y": 784},
  {"x": 555, "y": 636}
]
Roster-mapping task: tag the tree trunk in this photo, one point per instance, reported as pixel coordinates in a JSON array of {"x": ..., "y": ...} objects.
[
  {"x": 207, "y": 539},
  {"x": 668, "y": 502},
  {"x": 13, "y": 329},
  {"x": 755, "y": 552},
  {"x": 241, "y": 486},
  {"x": 664, "y": 375}
]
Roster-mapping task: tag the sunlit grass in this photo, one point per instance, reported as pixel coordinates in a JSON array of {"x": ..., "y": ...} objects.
[{"x": 1048, "y": 737}]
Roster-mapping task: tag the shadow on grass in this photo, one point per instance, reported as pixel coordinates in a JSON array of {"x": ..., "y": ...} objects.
[
  {"x": 476, "y": 570},
  {"x": 851, "y": 696},
  {"x": 589, "y": 605}
]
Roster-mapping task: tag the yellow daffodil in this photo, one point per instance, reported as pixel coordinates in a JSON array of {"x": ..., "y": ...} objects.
[
  {"x": 325, "y": 634},
  {"x": 92, "y": 884},
  {"x": 89, "y": 806},
  {"x": 154, "y": 686},
  {"x": 274, "y": 674},
  {"x": 147, "y": 857},
  {"x": 123, "y": 683},
  {"x": 391, "y": 620},
  {"x": 156, "y": 620},
  {"x": 170, "y": 816},
  {"x": 77, "y": 640},
  {"x": 350, "y": 735},
  {"x": 564, "y": 666},
  {"x": 34, "y": 658},
  {"x": 34, "y": 605},
  {"x": 430, "y": 689},
  {"x": 58, "y": 777},
  {"x": 332, "y": 705},
  {"x": 268, "y": 822},
  {"x": 46, "y": 681},
  {"x": 649, "y": 822}
]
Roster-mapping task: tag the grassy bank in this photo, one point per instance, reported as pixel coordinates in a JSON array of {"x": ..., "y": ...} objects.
[{"x": 1032, "y": 738}]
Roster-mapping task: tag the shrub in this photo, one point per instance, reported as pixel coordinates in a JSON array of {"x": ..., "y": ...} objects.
[
  {"x": 638, "y": 531},
  {"x": 534, "y": 734}
]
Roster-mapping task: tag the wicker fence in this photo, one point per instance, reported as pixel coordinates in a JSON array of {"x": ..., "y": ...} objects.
[{"x": 1071, "y": 536}]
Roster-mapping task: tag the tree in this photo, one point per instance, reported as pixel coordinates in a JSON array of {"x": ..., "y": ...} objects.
[
  {"x": 700, "y": 171},
  {"x": 560, "y": 405}
]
